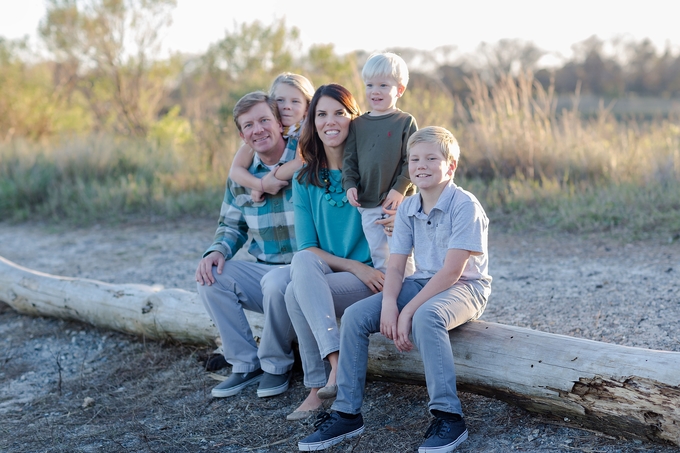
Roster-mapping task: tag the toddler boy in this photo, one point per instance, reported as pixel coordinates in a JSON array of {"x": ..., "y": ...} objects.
[{"x": 375, "y": 173}]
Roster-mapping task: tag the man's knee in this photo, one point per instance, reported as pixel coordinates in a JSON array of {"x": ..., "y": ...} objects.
[
  {"x": 275, "y": 281},
  {"x": 273, "y": 285},
  {"x": 223, "y": 281},
  {"x": 289, "y": 297}
]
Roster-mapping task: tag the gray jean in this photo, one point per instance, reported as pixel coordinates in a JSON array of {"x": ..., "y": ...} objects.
[
  {"x": 260, "y": 288},
  {"x": 430, "y": 332},
  {"x": 315, "y": 298}
]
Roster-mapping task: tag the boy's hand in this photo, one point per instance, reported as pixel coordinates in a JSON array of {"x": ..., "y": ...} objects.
[
  {"x": 352, "y": 197},
  {"x": 388, "y": 319},
  {"x": 402, "y": 341},
  {"x": 393, "y": 200},
  {"x": 204, "y": 272},
  {"x": 256, "y": 196},
  {"x": 271, "y": 184}
]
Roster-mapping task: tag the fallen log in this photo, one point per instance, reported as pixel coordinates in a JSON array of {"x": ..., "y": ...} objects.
[
  {"x": 623, "y": 391},
  {"x": 158, "y": 314}
]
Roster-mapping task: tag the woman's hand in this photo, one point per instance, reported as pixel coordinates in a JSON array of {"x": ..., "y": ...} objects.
[
  {"x": 388, "y": 319},
  {"x": 388, "y": 221},
  {"x": 370, "y": 276},
  {"x": 402, "y": 341}
]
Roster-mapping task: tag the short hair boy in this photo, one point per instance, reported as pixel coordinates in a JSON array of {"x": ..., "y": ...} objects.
[
  {"x": 375, "y": 173},
  {"x": 446, "y": 227}
]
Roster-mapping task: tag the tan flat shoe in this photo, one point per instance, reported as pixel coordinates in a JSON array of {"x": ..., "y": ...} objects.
[
  {"x": 328, "y": 392},
  {"x": 301, "y": 415}
]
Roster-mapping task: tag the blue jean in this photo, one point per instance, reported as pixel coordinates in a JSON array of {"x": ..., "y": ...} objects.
[
  {"x": 315, "y": 298},
  {"x": 260, "y": 288},
  {"x": 430, "y": 332}
]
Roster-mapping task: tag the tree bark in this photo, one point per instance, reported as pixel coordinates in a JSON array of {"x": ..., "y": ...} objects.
[{"x": 619, "y": 390}]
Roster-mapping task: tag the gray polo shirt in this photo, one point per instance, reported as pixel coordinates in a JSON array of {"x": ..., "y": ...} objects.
[{"x": 457, "y": 221}]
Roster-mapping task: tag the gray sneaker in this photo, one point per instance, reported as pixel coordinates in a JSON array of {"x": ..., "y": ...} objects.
[
  {"x": 273, "y": 384},
  {"x": 235, "y": 383}
]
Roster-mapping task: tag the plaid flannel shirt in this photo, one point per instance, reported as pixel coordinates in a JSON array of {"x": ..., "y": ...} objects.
[{"x": 270, "y": 223}]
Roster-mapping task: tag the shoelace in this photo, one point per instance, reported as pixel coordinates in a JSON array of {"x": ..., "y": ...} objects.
[
  {"x": 321, "y": 419},
  {"x": 435, "y": 428}
]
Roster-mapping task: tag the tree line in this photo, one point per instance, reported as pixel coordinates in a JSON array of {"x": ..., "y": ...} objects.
[{"x": 101, "y": 73}]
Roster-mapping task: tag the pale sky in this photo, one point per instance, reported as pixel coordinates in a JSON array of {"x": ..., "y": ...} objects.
[{"x": 422, "y": 24}]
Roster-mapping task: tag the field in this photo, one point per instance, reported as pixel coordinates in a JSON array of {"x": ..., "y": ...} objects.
[
  {"x": 585, "y": 229},
  {"x": 70, "y": 387}
]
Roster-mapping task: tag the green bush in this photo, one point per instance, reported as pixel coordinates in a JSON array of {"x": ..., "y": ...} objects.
[{"x": 102, "y": 179}]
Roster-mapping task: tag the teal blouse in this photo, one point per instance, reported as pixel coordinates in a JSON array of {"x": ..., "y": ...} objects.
[{"x": 334, "y": 229}]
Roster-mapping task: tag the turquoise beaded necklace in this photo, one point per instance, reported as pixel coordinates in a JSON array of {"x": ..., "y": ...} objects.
[{"x": 330, "y": 188}]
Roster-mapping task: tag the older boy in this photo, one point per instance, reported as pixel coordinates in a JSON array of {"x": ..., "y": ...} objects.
[
  {"x": 227, "y": 286},
  {"x": 375, "y": 174},
  {"x": 447, "y": 229}
]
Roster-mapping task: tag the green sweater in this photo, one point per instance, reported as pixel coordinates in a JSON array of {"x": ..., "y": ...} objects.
[{"x": 375, "y": 157}]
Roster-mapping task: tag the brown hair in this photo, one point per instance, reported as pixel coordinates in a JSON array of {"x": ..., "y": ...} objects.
[
  {"x": 311, "y": 146},
  {"x": 249, "y": 101}
]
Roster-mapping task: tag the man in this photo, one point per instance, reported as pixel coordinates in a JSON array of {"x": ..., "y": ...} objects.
[{"x": 227, "y": 286}]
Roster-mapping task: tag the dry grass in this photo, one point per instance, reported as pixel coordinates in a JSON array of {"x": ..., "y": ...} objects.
[
  {"x": 102, "y": 178},
  {"x": 514, "y": 129},
  {"x": 531, "y": 166}
]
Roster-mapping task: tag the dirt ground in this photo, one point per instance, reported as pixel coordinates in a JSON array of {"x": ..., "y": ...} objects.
[{"x": 71, "y": 387}]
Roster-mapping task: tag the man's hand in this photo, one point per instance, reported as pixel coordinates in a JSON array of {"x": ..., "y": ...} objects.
[
  {"x": 204, "y": 275},
  {"x": 271, "y": 184},
  {"x": 352, "y": 197}
]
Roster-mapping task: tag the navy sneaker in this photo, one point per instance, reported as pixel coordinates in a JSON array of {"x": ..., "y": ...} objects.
[
  {"x": 235, "y": 383},
  {"x": 331, "y": 429},
  {"x": 443, "y": 436}
]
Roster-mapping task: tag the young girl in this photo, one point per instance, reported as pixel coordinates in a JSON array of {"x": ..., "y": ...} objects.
[{"x": 292, "y": 93}]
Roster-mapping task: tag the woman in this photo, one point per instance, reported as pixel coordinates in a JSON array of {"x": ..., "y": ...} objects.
[{"x": 332, "y": 268}]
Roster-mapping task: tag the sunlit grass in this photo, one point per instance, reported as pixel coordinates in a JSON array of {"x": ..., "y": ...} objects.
[
  {"x": 538, "y": 169},
  {"x": 622, "y": 210},
  {"x": 514, "y": 129},
  {"x": 533, "y": 168},
  {"x": 100, "y": 179}
]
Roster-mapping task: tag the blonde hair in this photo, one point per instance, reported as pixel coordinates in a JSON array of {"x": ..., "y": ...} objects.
[
  {"x": 386, "y": 64},
  {"x": 448, "y": 145},
  {"x": 302, "y": 83}
]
